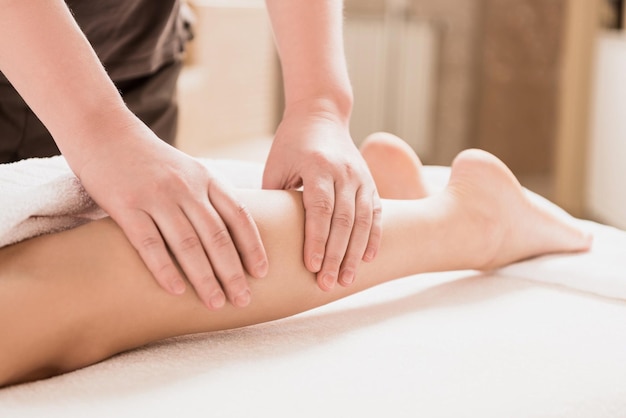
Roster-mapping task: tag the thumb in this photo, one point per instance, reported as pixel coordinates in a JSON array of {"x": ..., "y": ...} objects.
[
  {"x": 272, "y": 178},
  {"x": 281, "y": 177}
]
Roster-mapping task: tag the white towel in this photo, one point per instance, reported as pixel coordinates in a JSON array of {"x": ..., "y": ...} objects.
[
  {"x": 39, "y": 196},
  {"x": 42, "y": 195}
]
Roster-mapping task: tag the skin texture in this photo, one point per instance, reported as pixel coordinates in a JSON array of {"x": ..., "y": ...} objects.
[
  {"x": 74, "y": 298},
  {"x": 172, "y": 210}
]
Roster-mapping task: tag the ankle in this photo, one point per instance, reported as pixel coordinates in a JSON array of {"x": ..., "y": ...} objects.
[{"x": 481, "y": 227}]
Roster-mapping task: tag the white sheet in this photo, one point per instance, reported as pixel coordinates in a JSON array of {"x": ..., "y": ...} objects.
[{"x": 457, "y": 344}]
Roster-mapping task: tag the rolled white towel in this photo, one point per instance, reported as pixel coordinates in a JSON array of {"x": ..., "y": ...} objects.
[
  {"x": 39, "y": 196},
  {"x": 42, "y": 195}
]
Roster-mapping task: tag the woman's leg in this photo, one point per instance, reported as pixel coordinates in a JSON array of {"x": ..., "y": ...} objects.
[
  {"x": 395, "y": 167},
  {"x": 72, "y": 299}
]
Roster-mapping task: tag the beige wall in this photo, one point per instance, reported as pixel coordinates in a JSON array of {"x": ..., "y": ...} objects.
[
  {"x": 520, "y": 59},
  {"x": 457, "y": 22},
  {"x": 514, "y": 79},
  {"x": 498, "y": 75},
  {"x": 229, "y": 89}
]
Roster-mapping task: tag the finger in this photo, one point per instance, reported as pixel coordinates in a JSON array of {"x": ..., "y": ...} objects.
[
  {"x": 223, "y": 256},
  {"x": 244, "y": 231},
  {"x": 276, "y": 180},
  {"x": 235, "y": 241},
  {"x": 319, "y": 201},
  {"x": 339, "y": 237},
  {"x": 185, "y": 244},
  {"x": 144, "y": 235},
  {"x": 359, "y": 238},
  {"x": 376, "y": 232},
  {"x": 271, "y": 179}
]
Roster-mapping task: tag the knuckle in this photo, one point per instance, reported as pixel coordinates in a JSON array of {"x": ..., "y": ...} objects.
[
  {"x": 257, "y": 252},
  {"x": 320, "y": 158},
  {"x": 189, "y": 243},
  {"x": 150, "y": 242},
  {"x": 235, "y": 278},
  {"x": 215, "y": 186},
  {"x": 376, "y": 235},
  {"x": 377, "y": 210},
  {"x": 166, "y": 272},
  {"x": 129, "y": 200},
  {"x": 350, "y": 263},
  {"x": 242, "y": 210},
  {"x": 348, "y": 170},
  {"x": 332, "y": 261},
  {"x": 222, "y": 238},
  {"x": 243, "y": 213},
  {"x": 323, "y": 206},
  {"x": 169, "y": 183},
  {"x": 207, "y": 281},
  {"x": 235, "y": 282},
  {"x": 343, "y": 219},
  {"x": 318, "y": 240},
  {"x": 363, "y": 221}
]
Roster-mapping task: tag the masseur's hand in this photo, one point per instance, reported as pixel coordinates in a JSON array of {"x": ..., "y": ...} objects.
[
  {"x": 161, "y": 198},
  {"x": 168, "y": 205},
  {"x": 343, "y": 211}
]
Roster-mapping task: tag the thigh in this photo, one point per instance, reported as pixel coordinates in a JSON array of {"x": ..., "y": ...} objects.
[{"x": 64, "y": 298}]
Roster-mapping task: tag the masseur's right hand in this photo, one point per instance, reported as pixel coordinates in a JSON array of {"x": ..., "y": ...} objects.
[{"x": 168, "y": 204}]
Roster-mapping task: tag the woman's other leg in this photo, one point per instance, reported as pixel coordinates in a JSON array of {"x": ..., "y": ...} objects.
[{"x": 395, "y": 167}]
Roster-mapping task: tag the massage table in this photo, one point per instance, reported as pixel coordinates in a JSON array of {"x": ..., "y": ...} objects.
[{"x": 541, "y": 338}]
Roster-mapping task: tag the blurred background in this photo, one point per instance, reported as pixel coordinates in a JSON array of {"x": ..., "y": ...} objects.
[{"x": 538, "y": 83}]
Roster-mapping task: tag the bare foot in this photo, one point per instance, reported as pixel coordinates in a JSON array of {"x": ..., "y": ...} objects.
[
  {"x": 395, "y": 167},
  {"x": 514, "y": 226}
]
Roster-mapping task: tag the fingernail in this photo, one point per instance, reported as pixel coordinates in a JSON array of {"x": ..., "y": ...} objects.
[
  {"x": 328, "y": 280},
  {"x": 316, "y": 262},
  {"x": 347, "y": 277},
  {"x": 370, "y": 254},
  {"x": 243, "y": 299},
  {"x": 177, "y": 287},
  {"x": 217, "y": 300},
  {"x": 261, "y": 269}
]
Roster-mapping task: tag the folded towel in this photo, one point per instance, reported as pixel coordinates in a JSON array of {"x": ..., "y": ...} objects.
[
  {"x": 42, "y": 195},
  {"x": 39, "y": 196}
]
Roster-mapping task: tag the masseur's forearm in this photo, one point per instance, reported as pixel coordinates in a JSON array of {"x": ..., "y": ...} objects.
[
  {"x": 309, "y": 39},
  {"x": 49, "y": 61}
]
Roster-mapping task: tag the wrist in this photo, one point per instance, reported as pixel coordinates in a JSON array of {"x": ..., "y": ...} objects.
[
  {"x": 95, "y": 134},
  {"x": 336, "y": 107}
]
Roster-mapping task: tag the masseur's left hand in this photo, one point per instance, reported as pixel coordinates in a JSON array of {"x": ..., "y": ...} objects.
[{"x": 342, "y": 207}]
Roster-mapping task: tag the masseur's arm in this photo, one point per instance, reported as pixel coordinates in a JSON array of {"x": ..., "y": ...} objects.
[
  {"x": 313, "y": 147},
  {"x": 157, "y": 194}
]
